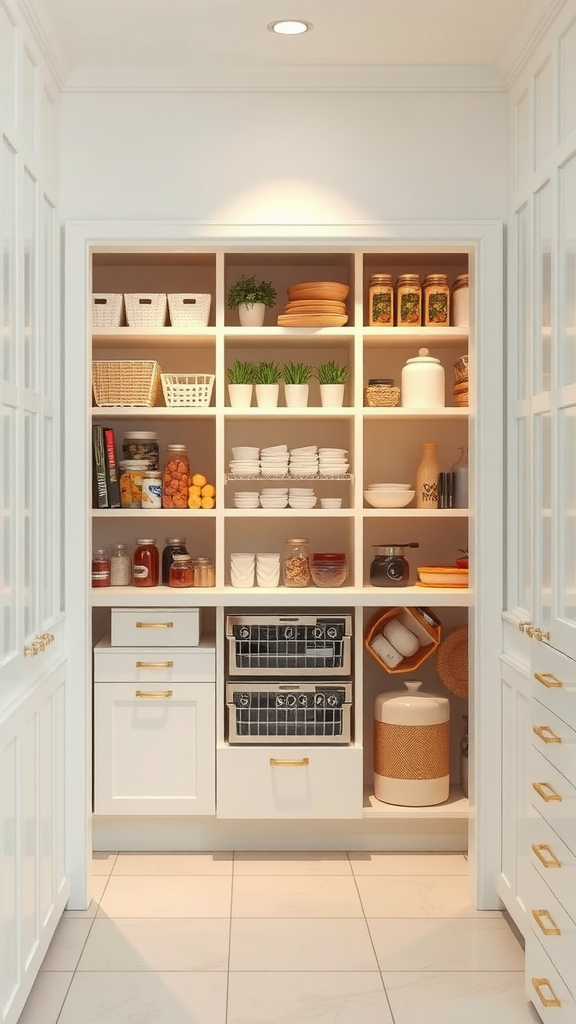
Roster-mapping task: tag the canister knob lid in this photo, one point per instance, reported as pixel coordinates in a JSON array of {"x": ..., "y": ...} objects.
[{"x": 423, "y": 357}]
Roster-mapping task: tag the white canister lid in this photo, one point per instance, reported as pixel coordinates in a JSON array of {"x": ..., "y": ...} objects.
[
  {"x": 411, "y": 706},
  {"x": 422, "y": 357}
]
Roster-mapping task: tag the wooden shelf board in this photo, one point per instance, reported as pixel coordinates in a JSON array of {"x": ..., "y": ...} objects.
[
  {"x": 455, "y": 807},
  {"x": 260, "y": 335},
  {"x": 139, "y": 412},
  {"x": 294, "y": 513},
  {"x": 415, "y": 513},
  {"x": 308, "y": 597},
  {"x": 449, "y": 412},
  {"x": 154, "y": 513},
  {"x": 281, "y": 412},
  {"x": 446, "y": 337},
  {"x": 141, "y": 337}
]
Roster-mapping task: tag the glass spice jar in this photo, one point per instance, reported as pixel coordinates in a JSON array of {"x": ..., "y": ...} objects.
[
  {"x": 204, "y": 572},
  {"x": 176, "y": 478},
  {"x": 100, "y": 568},
  {"x": 408, "y": 301},
  {"x": 120, "y": 566},
  {"x": 296, "y": 562},
  {"x": 146, "y": 567},
  {"x": 381, "y": 301},
  {"x": 174, "y": 546},
  {"x": 436, "y": 300},
  {"x": 181, "y": 572},
  {"x": 142, "y": 444}
]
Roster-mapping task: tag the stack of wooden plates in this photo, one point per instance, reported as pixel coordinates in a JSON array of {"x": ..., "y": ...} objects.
[{"x": 315, "y": 304}]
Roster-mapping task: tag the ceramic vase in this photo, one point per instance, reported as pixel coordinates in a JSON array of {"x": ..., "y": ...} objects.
[
  {"x": 296, "y": 395},
  {"x": 427, "y": 477},
  {"x": 267, "y": 395},
  {"x": 251, "y": 315},
  {"x": 332, "y": 395},
  {"x": 240, "y": 395}
]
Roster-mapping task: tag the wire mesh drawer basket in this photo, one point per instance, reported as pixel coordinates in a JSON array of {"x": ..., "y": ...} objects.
[
  {"x": 189, "y": 309},
  {"x": 107, "y": 309},
  {"x": 119, "y": 382},
  {"x": 145, "y": 309},
  {"x": 181, "y": 389}
]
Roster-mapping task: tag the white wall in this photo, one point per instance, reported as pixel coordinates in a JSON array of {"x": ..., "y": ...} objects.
[{"x": 279, "y": 157}]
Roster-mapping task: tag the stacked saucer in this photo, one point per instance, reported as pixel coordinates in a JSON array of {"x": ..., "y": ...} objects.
[
  {"x": 246, "y": 499},
  {"x": 301, "y": 497},
  {"x": 245, "y": 462},
  {"x": 274, "y": 497},
  {"x": 304, "y": 461},
  {"x": 274, "y": 461},
  {"x": 332, "y": 462}
]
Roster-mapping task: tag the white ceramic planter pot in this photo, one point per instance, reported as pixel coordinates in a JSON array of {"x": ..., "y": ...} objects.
[
  {"x": 252, "y": 316},
  {"x": 332, "y": 395},
  {"x": 240, "y": 395},
  {"x": 267, "y": 395},
  {"x": 296, "y": 395}
]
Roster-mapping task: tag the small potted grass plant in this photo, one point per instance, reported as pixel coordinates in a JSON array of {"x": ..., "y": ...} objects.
[
  {"x": 267, "y": 377},
  {"x": 251, "y": 298},
  {"x": 240, "y": 381},
  {"x": 296, "y": 384},
  {"x": 332, "y": 379}
]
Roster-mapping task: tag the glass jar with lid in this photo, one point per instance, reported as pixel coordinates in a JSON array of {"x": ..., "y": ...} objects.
[
  {"x": 436, "y": 300},
  {"x": 131, "y": 474},
  {"x": 381, "y": 301},
  {"x": 176, "y": 477},
  {"x": 152, "y": 489},
  {"x": 389, "y": 567},
  {"x": 408, "y": 301},
  {"x": 296, "y": 562},
  {"x": 174, "y": 546},
  {"x": 461, "y": 301},
  {"x": 181, "y": 572},
  {"x": 120, "y": 566},
  {"x": 329, "y": 569},
  {"x": 204, "y": 572},
  {"x": 101, "y": 568},
  {"x": 142, "y": 444},
  {"x": 145, "y": 570}
]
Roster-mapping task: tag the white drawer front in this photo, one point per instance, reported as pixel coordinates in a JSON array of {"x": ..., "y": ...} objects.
[
  {"x": 553, "y": 926},
  {"x": 155, "y": 627},
  {"x": 554, "y": 682},
  {"x": 545, "y": 987},
  {"x": 289, "y": 782},
  {"x": 554, "y": 797},
  {"x": 554, "y": 739},
  {"x": 162, "y": 665},
  {"x": 554, "y": 862}
]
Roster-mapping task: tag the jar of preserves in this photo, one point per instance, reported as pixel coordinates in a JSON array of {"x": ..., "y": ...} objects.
[
  {"x": 461, "y": 301},
  {"x": 100, "y": 568},
  {"x": 181, "y": 572},
  {"x": 381, "y": 301},
  {"x": 296, "y": 562},
  {"x": 436, "y": 300},
  {"x": 152, "y": 489},
  {"x": 174, "y": 546},
  {"x": 120, "y": 566},
  {"x": 131, "y": 474},
  {"x": 176, "y": 477},
  {"x": 329, "y": 569},
  {"x": 204, "y": 572},
  {"x": 142, "y": 444},
  {"x": 408, "y": 301},
  {"x": 145, "y": 571}
]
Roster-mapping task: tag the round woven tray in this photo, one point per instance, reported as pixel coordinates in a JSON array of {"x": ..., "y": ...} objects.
[{"x": 452, "y": 661}]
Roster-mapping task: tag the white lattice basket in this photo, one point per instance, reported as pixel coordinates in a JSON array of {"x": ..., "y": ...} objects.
[
  {"x": 145, "y": 309},
  {"x": 107, "y": 309},
  {"x": 189, "y": 309},
  {"x": 182, "y": 389}
]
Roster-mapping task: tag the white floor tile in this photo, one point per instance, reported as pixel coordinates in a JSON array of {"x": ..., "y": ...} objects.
[
  {"x": 408, "y": 863},
  {"x": 436, "y": 944},
  {"x": 454, "y": 998},
  {"x": 310, "y": 998},
  {"x": 165, "y": 896},
  {"x": 102, "y": 863},
  {"x": 295, "y": 896},
  {"x": 300, "y": 863},
  {"x": 174, "y": 864},
  {"x": 157, "y": 944},
  {"x": 301, "y": 945},
  {"x": 174, "y": 997},
  {"x": 97, "y": 887},
  {"x": 67, "y": 945},
  {"x": 46, "y": 998},
  {"x": 418, "y": 896}
]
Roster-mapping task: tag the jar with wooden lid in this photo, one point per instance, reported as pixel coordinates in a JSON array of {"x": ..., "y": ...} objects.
[
  {"x": 436, "y": 300},
  {"x": 381, "y": 301},
  {"x": 408, "y": 301},
  {"x": 461, "y": 301}
]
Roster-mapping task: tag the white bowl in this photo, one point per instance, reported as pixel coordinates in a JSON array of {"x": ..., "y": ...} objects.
[
  {"x": 275, "y": 449},
  {"x": 388, "y": 487},
  {"x": 303, "y": 473},
  {"x": 389, "y": 499},
  {"x": 334, "y": 470},
  {"x": 311, "y": 449},
  {"x": 246, "y": 453}
]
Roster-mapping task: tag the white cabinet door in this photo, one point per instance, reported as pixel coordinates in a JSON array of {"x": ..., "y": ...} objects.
[
  {"x": 154, "y": 748},
  {"x": 516, "y": 807}
]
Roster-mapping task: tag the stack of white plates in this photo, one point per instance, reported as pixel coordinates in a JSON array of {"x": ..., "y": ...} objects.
[
  {"x": 274, "y": 461},
  {"x": 242, "y": 569},
  {"x": 333, "y": 462},
  {"x": 331, "y": 502},
  {"x": 274, "y": 497},
  {"x": 245, "y": 462},
  {"x": 304, "y": 461},
  {"x": 246, "y": 499},
  {"x": 301, "y": 497}
]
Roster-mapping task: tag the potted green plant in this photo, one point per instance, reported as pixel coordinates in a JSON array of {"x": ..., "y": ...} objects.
[
  {"x": 251, "y": 298},
  {"x": 267, "y": 377},
  {"x": 332, "y": 379},
  {"x": 296, "y": 384},
  {"x": 240, "y": 381}
]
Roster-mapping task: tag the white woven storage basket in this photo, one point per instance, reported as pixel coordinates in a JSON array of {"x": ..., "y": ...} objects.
[
  {"x": 126, "y": 382},
  {"x": 187, "y": 388},
  {"x": 189, "y": 309},
  {"x": 145, "y": 309},
  {"x": 107, "y": 309}
]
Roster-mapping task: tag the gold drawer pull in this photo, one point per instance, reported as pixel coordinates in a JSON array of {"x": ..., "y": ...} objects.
[
  {"x": 546, "y": 734},
  {"x": 539, "y": 984},
  {"x": 154, "y": 625},
  {"x": 548, "y": 680},
  {"x": 302, "y": 763},
  {"x": 155, "y": 693},
  {"x": 538, "y": 915},
  {"x": 541, "y": 787},
  {"x": 154, "y": 664},
  {"x": 539, "y": 849}
]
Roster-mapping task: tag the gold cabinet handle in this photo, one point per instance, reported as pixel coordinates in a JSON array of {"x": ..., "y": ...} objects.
[
  {"x": 38, "y": 644},
  {"x": 539, "y": 849},
  {"x": 546, "y": 734},
  {"x": 548, "y": 680},
  {"x": 530, "y": 631},
  {"x": 302, "y": 763},
  {"x": 549, "y": 796},
  {"x": 155, "y": 693},
  {"x": 553, "y": 929},
  {"x": 154, "y": 664},
  {"x": 539, "y": 984},
  {"x": 523, "y": 626},
  {"x": 539, "y": 634},
  {"x": 154, "y": 625}
]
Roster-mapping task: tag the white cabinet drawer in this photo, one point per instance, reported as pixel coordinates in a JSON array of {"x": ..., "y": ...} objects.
[
  {"x": 554, "y": 797},
  {"x": 154, "y": 748},
  {"x": 155, "y": 627},
  {"x": 554, "y": 682},
  {"x": 554, "y": 739},
  {"x": 554, "y": 862},
  {"x": 162, "y": 665},
  {"x": 545, "y": 987},
  {"x": 553, "y": 927},
  {"x": 289, "y": 782}
]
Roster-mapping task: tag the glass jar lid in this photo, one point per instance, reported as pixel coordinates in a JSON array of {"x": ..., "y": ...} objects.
[
  {"x": 423, "y": 357},
  {"x": 408, "y": 279},
  {"x": 460, "y": 282},
  {"x": 120, "y": 548},
  {"x": 381, "y": 279},
  {"x": 101, "y": 553},
  {"x": 142, "y": 435},
  {"x": 436, "y": 279},
  {"x": 180, "y": 559},
  {"x": 153, "y": 474},
  {"x": 146, "y": 540},
  {"x": 330, "y": 556},
  {"x": 134, "y": 463},
  {"x": 297, "y": 540},
  {"x": 175, "y": 540},
  {"x": 176, "y": 447},
  {"x": 387, "y": 381}
]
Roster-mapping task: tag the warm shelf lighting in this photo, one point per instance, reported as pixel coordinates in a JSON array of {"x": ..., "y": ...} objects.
[{"x": 289, "y": 28}]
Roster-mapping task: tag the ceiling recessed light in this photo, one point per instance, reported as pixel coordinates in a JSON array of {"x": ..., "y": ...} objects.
[{"x": 289, "y": 28}]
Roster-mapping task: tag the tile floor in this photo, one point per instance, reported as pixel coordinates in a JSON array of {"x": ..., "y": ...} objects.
[{"x": 280, "y": 938}]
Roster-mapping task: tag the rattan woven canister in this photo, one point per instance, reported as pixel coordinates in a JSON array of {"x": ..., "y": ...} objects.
[
  {"x": 380, "y": 395},
  {"x": 411, "y": 747}
]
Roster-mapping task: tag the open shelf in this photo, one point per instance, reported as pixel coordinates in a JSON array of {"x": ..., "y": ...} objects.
[
  {"x": 415, "y": 513},
  {"x": 423, "y": 337},
  {"x": 399, "y": 413},
  {"x": 281, "y": 412},
  {"x": 283, "y": 513},
  {"x": 162, "y": 412},
  {"x": 151, "y": 337},
  {"x": 456, "y": 806},
  {"x": 446, "y": 597},
  {"x": 154, "y": 513}
]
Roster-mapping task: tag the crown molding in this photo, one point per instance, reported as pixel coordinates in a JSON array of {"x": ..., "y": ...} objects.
[
  {"x": 529, "y": 33},
  {"x": 48, "y": 36}
]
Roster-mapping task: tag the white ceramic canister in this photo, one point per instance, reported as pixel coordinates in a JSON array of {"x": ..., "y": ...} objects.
[
  {"x": 411, "y": 747},
  {"x": 423, "y": 383},
  {"x": 461, "y": 301}
]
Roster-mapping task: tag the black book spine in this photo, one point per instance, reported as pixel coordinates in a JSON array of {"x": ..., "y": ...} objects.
[
  {"x": 99, "y": 458},
  {"x": 112, "y": 482}
]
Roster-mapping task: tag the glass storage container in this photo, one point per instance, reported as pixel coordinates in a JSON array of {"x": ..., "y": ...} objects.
[
  {"x": 381, "y": 301},
  {"x": 101, "y": 568},
  {"x": 408, "y": 301},
  {"x": 145, "y": 570},
  {"x": 142, "y": 445},
  {"x": 329, "y": 569},
  {"x": 120, "y": 566},
  {"x": 181, "y": 572},
  {"x": 176, "y": 477},
  {"x": 152, "y": 489},
  {"x": 436, "y": 300},
  {"x": 204, "y": 572},
  {"x": 296, "y": 562},
  {"x": 174, "y": 546},
  {"x": 131, "y": 475}
]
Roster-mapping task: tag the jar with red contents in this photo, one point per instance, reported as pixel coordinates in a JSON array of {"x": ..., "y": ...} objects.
[
  {"x": 101, "y": 568},
  {"x": 146, "y": 564}
]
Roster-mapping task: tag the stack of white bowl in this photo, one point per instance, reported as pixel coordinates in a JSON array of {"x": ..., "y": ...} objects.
[
  {"x": 389, "y": 495},
  {"x": 301, "y": 497},
  {"x": 333, "y": 462},
  {"x": 331, "y": 502},
  {"x": 245, "y": 462},
  {"x": 274, "y": 497},
  {"x": 274, "y": 461},
  {"x": 246, "y": 499},
  {"x": 304, "y": 461},
  {"x": 267, "y": 569},
  {"x": 242, "y": 566}
]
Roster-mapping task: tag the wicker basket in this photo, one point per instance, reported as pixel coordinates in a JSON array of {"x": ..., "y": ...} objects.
[
  {"x": 119, "y": 382},
  {"x": 145, "y": 309},
  {"x": 185, "y": 389},
  {"x": 189, "y": 310},
  {"x": 461, "y": 370},
  {"x": 452, "y": 661},
  {"x": 107, "y": 309},
  {"x": 379, "y": 395}
]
